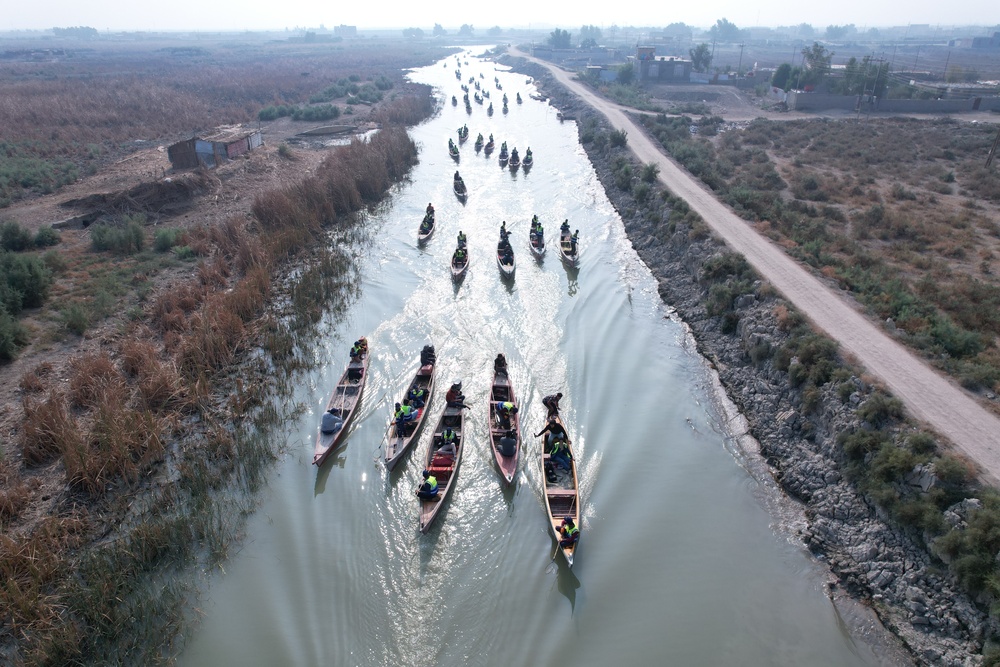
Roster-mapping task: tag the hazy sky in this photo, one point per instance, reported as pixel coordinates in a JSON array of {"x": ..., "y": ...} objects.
[{"x": 258, "y": 15}]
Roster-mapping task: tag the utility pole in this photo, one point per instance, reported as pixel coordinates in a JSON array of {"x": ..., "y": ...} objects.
[{"x": 740, "y": 66}]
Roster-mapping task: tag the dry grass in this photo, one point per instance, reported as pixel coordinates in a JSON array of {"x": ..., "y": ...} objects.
[
  {"x": 47, "y": 430},
  {"x": 95, "y": 379},
  {"x": 122, "y": 444}
]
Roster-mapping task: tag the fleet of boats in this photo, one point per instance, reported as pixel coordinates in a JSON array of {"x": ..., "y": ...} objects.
[{"x": 447, "y": 443}]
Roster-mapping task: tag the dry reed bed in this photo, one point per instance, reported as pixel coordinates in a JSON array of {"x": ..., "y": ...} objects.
[{"x": 127, "y": 408}]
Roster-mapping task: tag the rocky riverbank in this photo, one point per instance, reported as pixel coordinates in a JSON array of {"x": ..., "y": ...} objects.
[{"x": 874, "y": 561}]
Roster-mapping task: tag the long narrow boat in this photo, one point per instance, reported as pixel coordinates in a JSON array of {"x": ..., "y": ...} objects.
[
  {"x": 569, "y": 254},
  {"x": 399, "y": 441},
  {"x": 442, "y": 466},
  {"x": 561, "y": 497},
  {"x": 426, "y": 228},
  {"x": 490, "y": 145},
  {"x": 345, "y": 400},
  {"x": 537, "y": 244},
  {"x": 458, "y": 268},
  {"x": 504, "y": 260},
  {"x": 503, "y": 391},
  {"x": 528, "y": 160},
  {"x": 515, "y": 160},
  {"x": 460, "y": 190}
]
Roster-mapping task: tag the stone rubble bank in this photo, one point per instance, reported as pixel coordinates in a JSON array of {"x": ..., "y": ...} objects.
[{"x": 871, "y": 560}]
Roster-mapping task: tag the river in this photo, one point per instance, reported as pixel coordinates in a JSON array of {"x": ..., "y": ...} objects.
[{"x": 686, "y": 556}]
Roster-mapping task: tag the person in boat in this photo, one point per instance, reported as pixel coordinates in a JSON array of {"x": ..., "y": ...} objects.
[
  {"x": 508, "y": 255},
  {"x": 504, "y": 234},
  {"x": 449, "y": 442},
  {"x": 500, "y": 364},
  {"x": 455, "y": 398},
  {"x": 427, "y": 356},
  {"x": 527, "y": 153},
  {"x": 332, "y": 422},
  {"x": 459, "y": 256},
  {"x": 404, "y": 413},
  {"x": 569, "y": 533},
  {"x": 429, "y": 489},
  {"x": 564, "y": 228},
  {"x": 430, "y": 209},
  {"x": 417, "y": 397},
  {"x": 555, "y": 431},
  {"x": 560, "y": 453},
  {"x": 462, "y": 239},
  {"x": 505, "y": 412},
  {"x": 491, "y": 136},
  {"x": 358, "y": 349},
  {"x": 551, "y": 402},
  {"x": 508, "y": 443},
  {"x": 425, "y": 225},
  {"x": 458, "y": 179},
  {"x": 574, "y": 240}
]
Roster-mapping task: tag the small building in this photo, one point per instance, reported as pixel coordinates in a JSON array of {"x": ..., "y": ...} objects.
[
  {"x": 345, "y": 31},
  {"x": 652, "y": 68},
  {"x": 215, "y": 149}
]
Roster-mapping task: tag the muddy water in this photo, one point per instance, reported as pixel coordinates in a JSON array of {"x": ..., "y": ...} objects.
[{"x": 685, "y": 557}]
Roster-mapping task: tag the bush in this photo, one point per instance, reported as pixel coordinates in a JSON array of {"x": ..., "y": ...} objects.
[
  {"x": 165, "y": 239},
  {"x": 75, "y": 319},
  {"x": 649, "y": 172},
  {"x": 879, "y": 410},
  {"x": 46, "y": 236},
  {"x": 14, "y": 237},
  {"x": 125, "y": 240},
  {"x": 13, "y": 335},
  {"x": 618, "y": 138},
  {"x": 24, "y": 282}
]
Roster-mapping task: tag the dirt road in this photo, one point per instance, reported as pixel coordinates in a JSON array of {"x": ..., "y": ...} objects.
[{"x": 930, "y": 398}]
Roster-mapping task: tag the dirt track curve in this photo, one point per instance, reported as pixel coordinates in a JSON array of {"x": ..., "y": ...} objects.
[{"x": 930, "y": 398}]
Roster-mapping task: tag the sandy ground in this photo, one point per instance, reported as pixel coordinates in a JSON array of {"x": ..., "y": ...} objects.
[{"x": 930, "y": 398}]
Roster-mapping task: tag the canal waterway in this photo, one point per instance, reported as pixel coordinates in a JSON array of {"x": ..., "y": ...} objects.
[{"x": 686, "y": 556}]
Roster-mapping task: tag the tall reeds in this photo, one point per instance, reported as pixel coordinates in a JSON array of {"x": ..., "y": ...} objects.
[{"x": 122, "y": 413}]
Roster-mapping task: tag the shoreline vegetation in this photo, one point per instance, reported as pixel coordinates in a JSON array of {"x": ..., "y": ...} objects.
[
  {"x": 141, "y": 468},
  {"x": 903, "y": 524}
]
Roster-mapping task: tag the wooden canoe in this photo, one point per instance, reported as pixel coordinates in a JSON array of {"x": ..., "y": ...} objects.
[
  {"x": 458, "y": 270},
  {"x": 443, "y": 467},
  {"x": 460, "y": 191},
  {"x": 503, "y": 390},
  {"x": 346, "y": 398},
  {"x": 507, "y": 270},
  {"x": 422, "y": 233},
  {"x": 537, "y": 245},
  {"x": 488, "y": 148},
  {"x": 566, "y": 249},
  {"x": 562, "y": 497},
  {"x": 397, "y": 444},
  {"x": 515, "y": 160}
]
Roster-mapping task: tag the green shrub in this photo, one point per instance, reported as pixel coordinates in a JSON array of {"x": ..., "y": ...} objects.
[
  {"x": 649, "y": 172},
  {"x": 46, "y": 236},
  {"x": 14, "y": 237},
  {"x": 13, "y": 335},
  {"x": 121, "y": 240},
  {"x": 618, "y": 138},
  {"x": 184, "y": 252},
  {"x": 879, "y": 410},
  {"x": 24, "y": 281},
  {"x": 75, "y": 319},
  {"x": 167, "y": 238},
  {"x": 55, "y": 262},
  {"x": 859, "y": 443}
]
